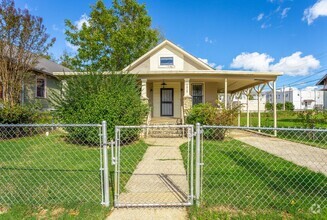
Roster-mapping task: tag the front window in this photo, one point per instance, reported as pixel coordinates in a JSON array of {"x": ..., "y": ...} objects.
[
  {"x": 197, "y": 94},
  {"x": 40, "y": 88},
  {"x": 166, "y": 61}
]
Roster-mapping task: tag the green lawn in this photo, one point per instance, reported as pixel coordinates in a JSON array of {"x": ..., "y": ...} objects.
[
  {"x": 287, "y": 119},
  {"x": 64, "y": 177},
  {"x": 240, "y": 181},
  {"x": 284, "y": 119}
]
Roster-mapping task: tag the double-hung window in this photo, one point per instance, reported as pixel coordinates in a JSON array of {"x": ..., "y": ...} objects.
[
  {"x": 40, "y": 88},
  {"x": 197, "y": 94}
]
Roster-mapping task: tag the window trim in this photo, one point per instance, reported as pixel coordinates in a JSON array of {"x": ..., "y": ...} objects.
[
  {"x": 45, "y": 87},
  {"x": 166, "y": 56}
]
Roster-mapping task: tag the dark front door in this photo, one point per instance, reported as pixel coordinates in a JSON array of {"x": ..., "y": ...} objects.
[{"x": 167, "y": 102}]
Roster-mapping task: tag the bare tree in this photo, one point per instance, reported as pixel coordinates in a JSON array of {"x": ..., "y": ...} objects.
[{"x": 23, "y": 39}]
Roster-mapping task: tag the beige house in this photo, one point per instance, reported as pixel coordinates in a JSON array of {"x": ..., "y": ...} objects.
[{"x": 173, "y": 80}]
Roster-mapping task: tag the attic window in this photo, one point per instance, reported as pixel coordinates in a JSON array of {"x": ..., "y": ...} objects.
[{"x": 166, "y": 61}]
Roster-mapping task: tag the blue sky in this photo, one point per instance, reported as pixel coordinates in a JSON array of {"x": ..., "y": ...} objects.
[{"x": 273, "y": 35}]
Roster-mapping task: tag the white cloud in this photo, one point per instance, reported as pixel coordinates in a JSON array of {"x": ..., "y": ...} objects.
[
  {"x": 293, "y": 65},
  {"x": 313, "y": 12},
  {"x": 260, "y": 16},
  {"x": 284, "y": 12},
  {"x": 72, "y": 47},
  {"x": 84, "y": 19},
  {"x": 207, "y": 40},
  {"x": 219, "y": 67},
  {"x": 252, "y": 61},
  {"x": 206, "y": 61}
]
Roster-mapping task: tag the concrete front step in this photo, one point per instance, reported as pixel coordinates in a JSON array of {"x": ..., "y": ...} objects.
[
  {"x": 166, "y": 132},
  {"x": 165, "y": 121}
]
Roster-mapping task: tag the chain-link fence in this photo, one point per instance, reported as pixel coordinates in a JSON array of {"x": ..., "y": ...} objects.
[
  {"x": 50, "y": 164},
  {"x": 246, "y": 170},
  {"x": 149, "y": 166}
]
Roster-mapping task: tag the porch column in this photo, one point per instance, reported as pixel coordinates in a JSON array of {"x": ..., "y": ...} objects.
[
  {"x": 259, "y": 90},
  {"x": 247, "y": 93},
  {"x": 247, "y": 111},
  {"x": 273, "y": 88},
  {"x": 144, "y": 96},
  {"x": 225, "y": 93},
  {"x": 239, "y": 111},
  {"x": 187, "y": 97},
  {"x": 275, "y": 107}
]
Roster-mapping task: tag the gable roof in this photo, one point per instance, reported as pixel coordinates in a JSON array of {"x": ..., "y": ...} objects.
[
  {"x": 321, "y": 81},
  {"x": 174, "y": 46},
  {"x": 49, "y": 67}
]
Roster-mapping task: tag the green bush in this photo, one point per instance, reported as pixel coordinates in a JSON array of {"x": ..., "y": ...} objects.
[
  {"x": 289, "y": 106},
  {"x": 208, "y": 114},
  {"x": 269, "y": 106},
  {"x": 17, "y": 114},
  {"x": 279, "y": 106},
  {"x": 309, "y": 118},
  {"x": 92, "y": 98}
]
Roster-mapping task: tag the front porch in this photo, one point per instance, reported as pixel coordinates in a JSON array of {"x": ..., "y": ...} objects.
[{"x": 170, "y": 96}]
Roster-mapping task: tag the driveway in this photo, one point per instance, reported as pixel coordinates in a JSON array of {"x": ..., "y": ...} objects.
[{"x": 313, "y": 158}]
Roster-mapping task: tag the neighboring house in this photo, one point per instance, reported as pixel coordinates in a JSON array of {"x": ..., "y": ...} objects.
[
  {"x": 323, "y": 82},
  {"x": 41, "y": 83},
  {"x": 253, "y": 102},
  {"x": 173, "y": 80},
  {"x": 301, "y": 99}
]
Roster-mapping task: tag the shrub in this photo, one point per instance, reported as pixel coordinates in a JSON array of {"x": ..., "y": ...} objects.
[
  {"x": 209, "y": 114},
  {"x": 17, "y": 114},
  {"x": 309, "y": 118},
  {"x": 279, "y": 106},
  {"x": 289, "y": 106},
  {"x": 92, "y": 98},
  {"x": 269, "y": 106}
]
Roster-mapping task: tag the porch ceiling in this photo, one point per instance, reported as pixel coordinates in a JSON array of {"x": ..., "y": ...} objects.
[{"x": 235, "y": 81}]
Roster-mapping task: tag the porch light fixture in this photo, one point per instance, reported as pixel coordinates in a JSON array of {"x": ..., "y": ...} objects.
[{"x": 163, "y": 84}]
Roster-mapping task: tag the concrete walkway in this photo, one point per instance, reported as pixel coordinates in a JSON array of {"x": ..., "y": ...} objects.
[
  {"x": 303, "y": 155},
  {"x": 160, "y": 178}
]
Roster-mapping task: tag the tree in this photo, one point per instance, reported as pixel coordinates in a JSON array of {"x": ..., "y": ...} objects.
[
  {"x": 94, "y": 97},
  {"x": 112, "y": 37},
  {"x": 23, "y": 39}
]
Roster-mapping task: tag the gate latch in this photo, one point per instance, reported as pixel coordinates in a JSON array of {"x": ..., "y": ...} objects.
[{"x": 113, "y": 159}]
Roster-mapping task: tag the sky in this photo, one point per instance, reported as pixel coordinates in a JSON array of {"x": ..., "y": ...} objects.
[{"x": 259, "y": 35}]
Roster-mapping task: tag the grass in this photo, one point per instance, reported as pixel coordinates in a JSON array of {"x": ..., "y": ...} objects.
[
  {"x": 130, "y": 156},
  {"x": 290, "y": 119},
  {"x": 242, "y": 182},
  {"x": 64, "y": 177},
  {"x": 284, "y": 119}
]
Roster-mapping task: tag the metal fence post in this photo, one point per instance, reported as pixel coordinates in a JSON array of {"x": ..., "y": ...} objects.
[
  {"x": 197, "y": 164},
  {"x": 105, "y": 164}
]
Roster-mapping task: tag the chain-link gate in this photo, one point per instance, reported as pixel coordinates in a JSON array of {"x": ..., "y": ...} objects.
[{"x": 150, "y": 168}]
